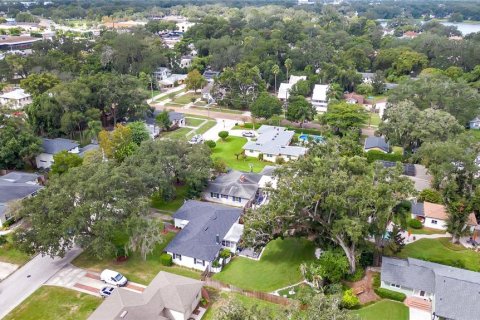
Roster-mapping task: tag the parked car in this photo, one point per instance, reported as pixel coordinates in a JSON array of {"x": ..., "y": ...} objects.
[
  {"x": 196, "y": 139},
  {"x": 106, "y": 291},
  {"x": 113, "y": 277},
  {"x": 248, "y": 134}
]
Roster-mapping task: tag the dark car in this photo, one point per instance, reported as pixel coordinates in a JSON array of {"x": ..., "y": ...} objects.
[
  {"x": 106, "y": 291},
  {"x": 249, "y": 134}
]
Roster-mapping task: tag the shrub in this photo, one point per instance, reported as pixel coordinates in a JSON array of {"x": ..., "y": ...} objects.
[
  {"x": 279, "y": 160},
  {"x": 415, "y": 224},
  {"x": 3, "y": 240},
  {"x": 223, "y": 135},
  {"x": 430, "y": 195},
  {"x": 358, "y": 275},
  {"x": 389, "y": 294},
  {"x": 376, "y": 281},
  {"x": 219, "y": 165},
  {"x": 166, "y": 260},
  {"x": 225, "y": 253},
  {"x": 375, "y": 155},
  {"x": 349, "y": 299},
  {"x": 211, "y": 144},
  {"x": 260, "y": 156},
  {"x": 193, "y": 99}
]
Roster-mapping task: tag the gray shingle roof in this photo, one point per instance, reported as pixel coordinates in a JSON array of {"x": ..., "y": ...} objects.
[
  {"x": 457, "y": 291},
  {"x": 54, "y": 146},
  {"x": 88, "y": 147},
  {"x": 418, "y": 209},
  {"x": 172, "y": 115},
  {"x": 198, "y": 238},
  {"x": 377, "y": 142},
  {"x": 236, "y": 183},
  {"x": 19, "y": 177},
  {"x": 14, "y": 191},
  {"x": 275, "y": 140}
]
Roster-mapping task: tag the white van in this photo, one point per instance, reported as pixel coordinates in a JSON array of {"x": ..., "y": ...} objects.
[{"x": 113, "y": 277}]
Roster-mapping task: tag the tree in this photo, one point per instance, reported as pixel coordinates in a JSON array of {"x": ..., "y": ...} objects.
[
  {"x": 288, "y": 65},
  {"x": 211, "y": 144},
  {"x": 410, "y": 61},
  {"x": 343, "y": 116},
  {"x": 144, "y": 236},
  {"x": 64, "y": 161},
  {"x": 139, "y": 132},
  {"x": 17, "y": 144},
  {"x": 195, "y": 80},
  {"x": 163, "y": 120},
  {"x": 38, "y": 83},
  {"x": 302, "y": 88},
  {"x": 430, "y": 195},
  {"x": 44, "y": 115},
  {"x": 266, "y": 106},
  {"x": 335, "y": 92},
  {"x": 397, "y": 241},
  {"x": 117, "y": 144},
  {"x": 333, "y": 266},
  {"x": 86, "y": 206},
  {"x": 378, "y": 83},
  {"x": 275, "y": 71},
  {"x": 223, "y": 135},
  {"x": 93, "y": 129},
  {"x": 365, "y": 89},
  {"x": 300, "y": 110}
]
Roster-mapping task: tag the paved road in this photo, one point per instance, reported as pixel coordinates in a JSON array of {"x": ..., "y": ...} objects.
[{"x": 29, "y": 278}]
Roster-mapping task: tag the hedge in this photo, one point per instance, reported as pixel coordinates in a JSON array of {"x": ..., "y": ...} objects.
[
  {"x": 415, "y": 224},
  {"x": 389, "y": 294},
  {"x": 166, "y": 260},
  {"x": 375, "y": 155}
]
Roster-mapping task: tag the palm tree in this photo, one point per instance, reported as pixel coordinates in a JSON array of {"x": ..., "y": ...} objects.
[
  {"x": 275, "y": 71},
  {"x": 288, "y": 65},
  {"x": 94, "y": 127}
]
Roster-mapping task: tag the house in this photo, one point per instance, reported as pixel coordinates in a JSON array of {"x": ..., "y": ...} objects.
[
  {"x": 172, "y": 80},
  {"x": 210, "y": 75},
  {"x": 177, "y": 119},
  {"x": 272, "y": 143},
  {"x": 442, "y": 291},
  {"x": 474, "y": 123},
  {"x": 168, "y": 296},
  {"x": 284, "y": 89},
  {"x": 367, "y": 77},
  {"x": 319, "y": 97},
  {"x": 207, "y": 228},
  {"x": 88, "y": 148},
  {"x": 376, "y": 143},
  {"x": 186, "y": 61},
  {"x": 16, "y": 99},
  {"x": 435, "y": 216},
  {"x": 53, "y": 146},
  {"x": 16, "y": 186},
  {"x": 9, "y": 43},
  {"x": 417, "y": 173},
  {"x": 354, "y": 98},
  {"x": 235, "y": 188},
  {"x": 162, "y": 73},
  {"x": 410, "y": 35}
]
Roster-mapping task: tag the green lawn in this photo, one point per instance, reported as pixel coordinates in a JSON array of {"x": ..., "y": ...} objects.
[
  {"x": 135, "y": 268},
  {"x": 193, "y": 122},
  {"x": 374, "y": 119},
  {"x": 475, "y": 133},
  {"x": 385, "y": 310},
  {"x": 205, "y": 127},
  {"x": 8, "y": 253},
  {"x": 442, "y": 251},
  {"x": 50, "y": 302},
  {"x": 221, "y": 298},
  {"x": 172, "y": 205},
  {"x": 178, "y": 134},
  {"x": 278, "y": 267},
  {"x": 186, "y": 98},
  {"x": 223, "y": 110},
  {"x": 226, "y": 150},
  {"x": 426, "y": 231}
]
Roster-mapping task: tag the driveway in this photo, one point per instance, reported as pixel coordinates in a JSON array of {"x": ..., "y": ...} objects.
[
  {"x": 29, "y": 278},
  {"x": 6, "y": 269},
  {"x": 222, "y": 125},
  {"x": 417, "y": 314}
]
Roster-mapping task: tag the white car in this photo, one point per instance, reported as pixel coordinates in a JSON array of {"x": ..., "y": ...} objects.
[
  {"x": 196, "y": 139},
  {"x": 113, "y": 277}
]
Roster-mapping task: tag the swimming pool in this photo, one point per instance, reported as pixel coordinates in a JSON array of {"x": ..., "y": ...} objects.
[{"x": 305, "y": 137}]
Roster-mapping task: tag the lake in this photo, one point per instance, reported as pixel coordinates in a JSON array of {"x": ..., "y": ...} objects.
[{"x": 464, "y": 28}]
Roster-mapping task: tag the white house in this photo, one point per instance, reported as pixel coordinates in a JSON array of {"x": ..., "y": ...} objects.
[
  {"x": 162, "y": 73},
  {"x": 272, "y": 143},
  {"x": 319, "y": 97},
  {"x": 16, "y": 99},
  {"x": 435, "y": 216},
  {"x": 53, "y": 146},
  {"x": 207, "y": 228},
  {"x": 284, "y": 89},
  {"x": 474, "y": 123},
  {"x": 177, "y": 119},
  {"x": 186, "y": 61}
]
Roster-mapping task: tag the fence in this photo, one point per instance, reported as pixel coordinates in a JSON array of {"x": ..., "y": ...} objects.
[{"x": 248, "y": 293}]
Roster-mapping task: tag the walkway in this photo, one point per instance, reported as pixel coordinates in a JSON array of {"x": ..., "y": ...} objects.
[
  {"x": 222, "y": 125},
  {"x": 166, "y": 93},
  {"x": 26, "y": 280},
  {"x": 364, "y": 288},
  {"x": 416, "y": 237}
]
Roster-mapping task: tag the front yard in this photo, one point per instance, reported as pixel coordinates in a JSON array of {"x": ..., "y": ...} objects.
[
  {"x": 442, "y": 251},
  {"x": 8, "y": 253},
  {"x": 50, "y": 302},
  {"x": 171, "y": 206},
  {"x": 186, "y": 98},
  {"x": 226, "y": 150},
  {"x": 278, "y": 267},
  {"x": 385, "y": 310},
  {"x": 135, "y": 268}
]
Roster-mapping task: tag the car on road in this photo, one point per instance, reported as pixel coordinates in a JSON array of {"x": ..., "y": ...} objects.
[
  {"x": 113, "y": 277},
  {"x": 196, "y": 139},
  {"x": 105, "y": 292},
  {"x": 248, "y": 134}
]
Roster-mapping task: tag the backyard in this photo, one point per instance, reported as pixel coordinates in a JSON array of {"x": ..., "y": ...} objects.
[
  {"x": 227, "y": 151},
  {"x": 135, "y": 268},
  {"x": 278, "y": 267},
  {"x": 171, "y": 206},
  {"x": 385, "y": 310},
  {"x": 50, "y": 302},
  {"x": 442, "y": 251}
]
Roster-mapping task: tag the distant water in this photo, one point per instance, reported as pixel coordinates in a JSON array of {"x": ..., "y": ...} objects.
[{"x": 464, "y": 28}]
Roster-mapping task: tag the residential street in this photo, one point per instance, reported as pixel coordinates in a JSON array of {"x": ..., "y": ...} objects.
[{"x": 29, "y": 278}]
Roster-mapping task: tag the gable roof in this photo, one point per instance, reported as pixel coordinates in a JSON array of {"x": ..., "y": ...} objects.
[
  {"x": 20, "y": 177},
  {"x": 205, "y": 221},
  {"x": 54, "y": 146},
  {"x": 16, "y": 190},
  {"x": 172, "y": 115},
  {"x": 236, "y": 183},
  {"x": 439, "y": 211},
  {"x": 15, "y": 95},
  {"x": 275, "y": 140},
  {"x": 320, "y": 92},
  {"x": 166, "y": 290},
  {"x": 376, "y": 142},
  {"x": 456, "y": 290},
  {"x": 294, "y": 79},
  {"x": 408, "y": 168},
  {"x": 284, "y": 91}
]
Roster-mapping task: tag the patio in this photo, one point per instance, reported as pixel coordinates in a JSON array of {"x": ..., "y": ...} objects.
[{"x": 197, "y": 313}]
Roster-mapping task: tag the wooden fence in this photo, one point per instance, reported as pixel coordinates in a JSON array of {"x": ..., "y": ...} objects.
[{"x": 248, "y": 293}]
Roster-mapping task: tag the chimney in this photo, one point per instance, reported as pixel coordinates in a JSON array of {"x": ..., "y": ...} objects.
[{"x": 217, "y": 239}]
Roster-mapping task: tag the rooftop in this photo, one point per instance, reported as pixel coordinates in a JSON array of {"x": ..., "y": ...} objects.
[
  {"x": 54, "y": 146},
  {"x": 236, "y": 183},
  {"x": 275, "y": 140},
  {"x": 198, "y": 239},
  {"x": 437, "y": 211},
  {"x": 376, "y": 142},
  {"x": 13, "y": 40},
  {"x": 320, "y": 92},
  {"x": 16, "y": 94}
]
